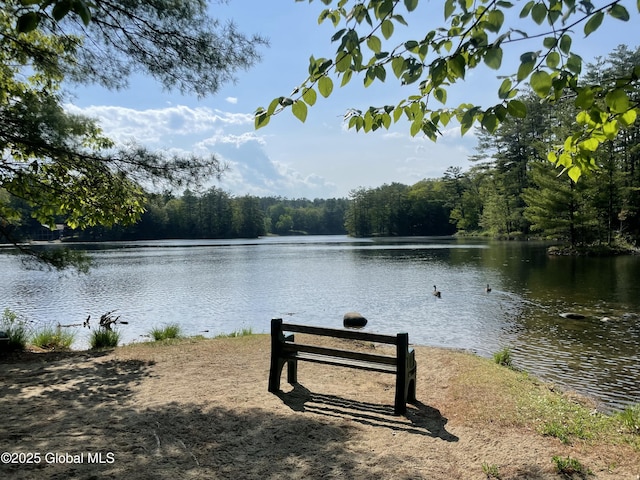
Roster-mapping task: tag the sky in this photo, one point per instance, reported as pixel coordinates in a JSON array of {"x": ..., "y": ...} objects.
[{"x": 320, "y": 158}]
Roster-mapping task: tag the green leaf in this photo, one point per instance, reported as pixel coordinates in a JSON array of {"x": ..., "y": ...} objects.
[
  {"x": 525, "y": 68},
  {"x": 619, "y": 12},
  {"x": 369, "y": 77},
  {"x": 593, "y": 23},
  {"x": 450, "y": 7},
  {"x": 346, "y": 77},
  {"x": 387, "y": 29},
  {"x": 539, "y": 13},
  {"x": 490, "y": 122},
  {"x": 610, "y": 130},
  {"x": 309, "y": 96},
  {"x": 553, "y": 59},
  {"x": 541, "y": 82},
  {"x": 61, "y": 9},
  {"x": 28, "y": 22},
  {"x": 275, "y": 103},
  {"x": 517, "y": 109},
  {"x": 374, "y": 44},
  {"x": 527, "y": 8},
  {"x": 505, "y": 89},
  {"x": 82, "y": 9},
  {"x": 416, "y": 126},
  {"x": 261, "y": 119},
  {"x": 617, "y": 101},
  {"x": 343, "y": 61},
  {"x": 410, "y": 5},
  {"x": 467, "y": 121},
  {"x": 493, "y": 58},
  {"x": 628, "y": 117},
  {"x": 397, "y": 65},
  {"x": 574, "y": 173},
  {"x": 456, "y": 66},
  {"x": 441, "y": 95},
  {"x": 495, "y": 19},
  {"x": 574, "y": 64},
  {"x": 299, "y": 109},
  {"x": 325, "y": 86},
  {"x": 397, "y": 113},
  {"x": 585, "y": 98},
  {"x": 590, "y": 144},
  {"x": 565, "y": 44}
]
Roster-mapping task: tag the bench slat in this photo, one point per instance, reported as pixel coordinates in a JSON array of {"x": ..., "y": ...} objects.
[
  {"x": 291, "y": 347},
  {"x": 337, "y": 333},
  {"x": 342, "y": 362}
]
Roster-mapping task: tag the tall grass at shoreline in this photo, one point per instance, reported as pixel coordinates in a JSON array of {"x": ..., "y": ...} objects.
[
  {"x": 50, "y": 338},
  {"x": 168, "y": 332}
]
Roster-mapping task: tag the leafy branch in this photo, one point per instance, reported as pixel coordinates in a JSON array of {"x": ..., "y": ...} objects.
[{"x": 479, "y": 31}]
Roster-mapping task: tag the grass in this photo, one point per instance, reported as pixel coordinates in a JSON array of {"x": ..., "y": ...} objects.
[
  {"x": 15, "y": 328},
  {"x": 630, "y": 418},
  {"x": 169, "y": 332},
  {"x": 503, "y": 357},
  {"x": 484, "y": 393},
  {"x": 51, "y": 338},
  {"x": 491, "y": 470},
  {"x": 104, "y": 338},
  {"x": 243, "y": 332},
  {"x": 570, "y": 467}
]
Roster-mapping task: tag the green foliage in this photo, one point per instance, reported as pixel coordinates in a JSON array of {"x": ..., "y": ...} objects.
[
  {"x": 243, "y": 332},
  {"x": 473, "y": 34},
  {"x": 396, "y": 209},
  {"x": 570, "y": 467},
  {"x": 166, "y": 333},
  {"x": 503, "y": 357},
  {"x": 62, "y": 165},
  {"x": 491, "y": 470},
  {"x": 16, "y": 329},
  {"x": 630, "y": 418},
  {"x": 50, "y": 338},
  {"x": 568, "y": 420},
  {"x": 104, "y": 338}
]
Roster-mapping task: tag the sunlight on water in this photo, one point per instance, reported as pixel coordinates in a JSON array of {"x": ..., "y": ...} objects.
[{"x": 216, "y": 287}]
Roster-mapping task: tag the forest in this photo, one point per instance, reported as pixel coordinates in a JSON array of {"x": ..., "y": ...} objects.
[{"x": 511, "y": 190}]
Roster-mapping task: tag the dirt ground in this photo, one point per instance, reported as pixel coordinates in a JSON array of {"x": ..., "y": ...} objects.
[{"x": 201, "y": 410}]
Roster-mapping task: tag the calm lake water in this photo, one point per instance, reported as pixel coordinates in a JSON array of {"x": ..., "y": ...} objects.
[{"x": 217, "y": 287}]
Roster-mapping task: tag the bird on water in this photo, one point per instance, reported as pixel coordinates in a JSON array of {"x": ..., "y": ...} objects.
[
  {"x": 488, "y": 289},
  {"x": 436, "y": 292}
]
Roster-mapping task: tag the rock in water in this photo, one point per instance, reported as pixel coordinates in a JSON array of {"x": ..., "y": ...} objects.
[
  {"x": 573, "y": 315},
  {"x": 354, "y": 320}
]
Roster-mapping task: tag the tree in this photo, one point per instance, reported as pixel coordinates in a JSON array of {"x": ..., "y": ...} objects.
[
  {"x": 62, "y": 165},
  {"x": 473, "y": 34}
]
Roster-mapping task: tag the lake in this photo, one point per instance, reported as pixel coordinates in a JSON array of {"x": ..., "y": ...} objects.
[{"x": 220, "y": 286}]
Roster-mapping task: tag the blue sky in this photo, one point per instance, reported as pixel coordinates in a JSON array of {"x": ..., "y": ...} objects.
[{"x": 320, "y": 158}]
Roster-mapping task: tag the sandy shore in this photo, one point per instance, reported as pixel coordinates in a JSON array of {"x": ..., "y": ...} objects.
[{"x": 201, "y": 410}]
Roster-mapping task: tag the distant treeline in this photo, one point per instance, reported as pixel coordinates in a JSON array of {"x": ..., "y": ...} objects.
[{"x": 511, "y": 191}]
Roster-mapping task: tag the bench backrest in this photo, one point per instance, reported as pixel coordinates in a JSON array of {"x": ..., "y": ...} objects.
[
  {"x": 338, "y": 333},
  {"x": 401, "y": 341}
]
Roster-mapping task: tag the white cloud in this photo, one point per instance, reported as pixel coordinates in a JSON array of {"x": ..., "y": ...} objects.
[
  {"x": 222, "y": 137},
  {"x": 231, "y": 100},
  {"x": 156, "y": 126}
]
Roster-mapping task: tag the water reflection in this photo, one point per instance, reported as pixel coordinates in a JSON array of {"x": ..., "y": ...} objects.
[{"x": 215, "y": 287}]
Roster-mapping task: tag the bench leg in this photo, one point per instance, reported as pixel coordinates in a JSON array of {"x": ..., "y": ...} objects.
[
  {"x": 275, "y": 373},
  {"x": 292, "y": 371},
  {"x": 400, "y": 407}
]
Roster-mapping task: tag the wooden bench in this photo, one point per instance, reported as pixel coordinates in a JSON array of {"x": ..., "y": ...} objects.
[{"x": 284, "y": 350}]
